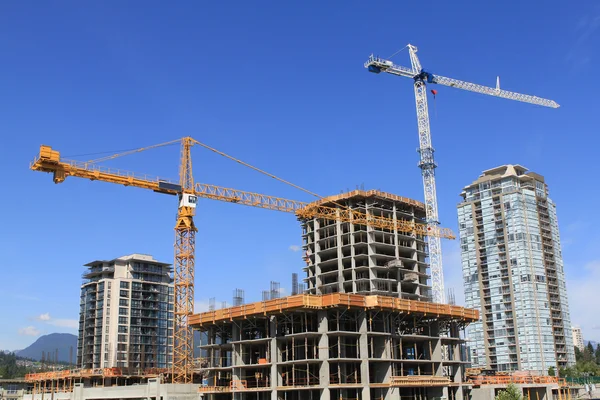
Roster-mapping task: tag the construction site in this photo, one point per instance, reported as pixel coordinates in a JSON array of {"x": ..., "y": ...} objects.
[{"x": 372, "y": 322}]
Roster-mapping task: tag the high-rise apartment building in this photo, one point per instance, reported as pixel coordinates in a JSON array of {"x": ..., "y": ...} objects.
[
  {"x": 126, "y": 314},
  {"x": 577, "y": 338},
  {"x": 513, "y": 273},
  {"x": 351, "y": 258}
]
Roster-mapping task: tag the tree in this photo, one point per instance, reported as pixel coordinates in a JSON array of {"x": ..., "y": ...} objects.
[
  {"x": 597, "y": 354},
  {"x": 551, "y": 371},
  {"x": 578, "y": 354},
  {"x": 588, "y": 352},
  {"x": 512, "y": 392}
]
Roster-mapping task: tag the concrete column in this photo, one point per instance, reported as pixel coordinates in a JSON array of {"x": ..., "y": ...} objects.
[
  {"x": 78, "y": 391},
  {"x": 353, "y": 254},
  {"x": 436, "y": 348},
  {"x": 370, "y": 252},
  {"x": 338, "y": 238},
  {"x": 275, "y": 357},
  {"x": 236, "y": 358},
  {"x": 364, "y": 355},
  {"x": 317, "y": 258},
  {"x": 323, "y": 354},
  {"x": 153, "y": 388}
]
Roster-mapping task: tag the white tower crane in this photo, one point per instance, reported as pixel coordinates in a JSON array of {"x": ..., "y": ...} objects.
[{"x": 427, "y": 163}]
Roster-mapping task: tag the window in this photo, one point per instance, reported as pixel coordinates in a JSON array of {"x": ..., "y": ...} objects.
[
  {"x": 122, "y": 338},
  {"x": 124, "y": 302},
  {"x": 122, "y": 329},
  {"x": 122, "y": 311},
  {"x": 123, "y": 320},
  {"x": 124, "y": 293},
  {"x": 124, "y": 285},
  {"x": 109, "y": 284}
]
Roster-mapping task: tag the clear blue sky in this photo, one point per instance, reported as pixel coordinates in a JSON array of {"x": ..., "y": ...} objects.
[{"x": 282, "y": 86}]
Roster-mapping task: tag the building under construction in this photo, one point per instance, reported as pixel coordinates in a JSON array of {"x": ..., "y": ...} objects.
[
  {"x": 354, "y": 258},
  {"x": 364, "y": 329},
  {"x": 334, "y": 346}
]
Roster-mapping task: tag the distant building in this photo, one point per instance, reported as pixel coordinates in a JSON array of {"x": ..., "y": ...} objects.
[
  {"x": 126, "y": 314},
  {"x": 577, "y": 338},
  {"x": 13, "y": 389},
  {"x": 513, "y": 273}
]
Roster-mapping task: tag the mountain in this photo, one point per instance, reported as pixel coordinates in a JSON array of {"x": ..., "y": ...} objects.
[{"x": 48, "y": 344}]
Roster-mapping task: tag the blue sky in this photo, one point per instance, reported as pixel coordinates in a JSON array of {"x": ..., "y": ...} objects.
[{"x": 282, "y": 86}]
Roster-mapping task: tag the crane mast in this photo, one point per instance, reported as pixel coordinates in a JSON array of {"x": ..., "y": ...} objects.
[
  {"x": 185, "y": 248},
  {"x": 427, "y": 164}
]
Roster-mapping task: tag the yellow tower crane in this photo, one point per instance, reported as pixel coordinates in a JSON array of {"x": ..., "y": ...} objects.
[{"x": 188, "y": 192}]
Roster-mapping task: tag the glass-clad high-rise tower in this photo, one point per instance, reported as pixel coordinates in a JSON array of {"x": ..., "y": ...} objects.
[{"x": 513, "y": 273}]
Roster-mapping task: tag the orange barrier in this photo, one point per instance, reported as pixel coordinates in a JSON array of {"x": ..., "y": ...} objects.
[
  {"x": 87, "y": 373},
  {"x": 220, "y": 389},
  {"x": 306, "y": 301},
  {"x": 419, "y": 380},
  {"x": 522, "y": 379}
]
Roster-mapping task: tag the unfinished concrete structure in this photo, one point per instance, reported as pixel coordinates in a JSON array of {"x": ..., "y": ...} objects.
[
  {"x": 335, "y": 346},
  {"x": 350, "y": 258}
]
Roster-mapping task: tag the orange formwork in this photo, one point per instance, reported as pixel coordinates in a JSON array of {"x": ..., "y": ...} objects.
[
  {"x": 416, "y": 380},
  {"x": 333, "y": 300},
  {"x": 516, "y": 379},
  {"x": 369, "y": 193},
  {"x": 89, "y": 373}
]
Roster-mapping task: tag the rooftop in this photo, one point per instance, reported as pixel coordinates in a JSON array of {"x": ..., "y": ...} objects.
[
  {"x": 367, "y": 194},
  {"x": 504, "y": 171},
  {"x": 130, "y": 257}
]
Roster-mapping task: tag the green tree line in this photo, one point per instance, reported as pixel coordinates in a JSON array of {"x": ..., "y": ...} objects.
[
  {"x": 587, "y": 364},
  {"x": 9, "y": 368}
]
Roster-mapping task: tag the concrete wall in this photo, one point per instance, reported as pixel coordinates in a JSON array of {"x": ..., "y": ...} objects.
[{"x": 153, "y": 389}]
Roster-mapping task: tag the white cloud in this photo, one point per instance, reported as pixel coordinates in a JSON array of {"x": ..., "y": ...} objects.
[
  {"x": 295, "y": 248},
  {"x": 63, "y": 323},
  {"x": 29, "y": 331},
  {"x": 582, "y": 293},
  {"x": 43, "y": 317}
]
